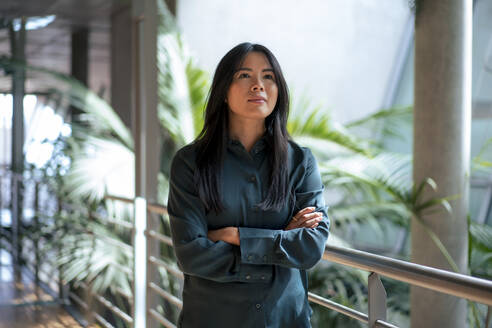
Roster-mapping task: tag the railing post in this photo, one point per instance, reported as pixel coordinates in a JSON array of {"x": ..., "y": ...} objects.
[
  {"x": 62, "y": 288},
  {"x": 37, "y": 232},
  {"x": 89, "y": 299},
  {"x": 14, "y": 223},
  {"x": 140, "y": 264},
  {"x": 377, "y": 300}
]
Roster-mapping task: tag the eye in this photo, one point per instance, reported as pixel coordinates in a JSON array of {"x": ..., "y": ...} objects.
[
  {"x": 243, "y": 75},
  {"x": 269, "y": 77}
]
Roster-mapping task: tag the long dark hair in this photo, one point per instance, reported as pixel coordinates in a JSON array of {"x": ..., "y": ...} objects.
[{"x": 212, "y": 141}]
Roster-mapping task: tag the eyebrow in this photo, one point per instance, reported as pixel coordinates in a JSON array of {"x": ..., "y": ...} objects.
[{"x": 249, "y": 69}]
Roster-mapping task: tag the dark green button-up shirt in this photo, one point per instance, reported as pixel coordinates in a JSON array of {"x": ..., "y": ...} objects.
[{"x": 262, "y": 282}]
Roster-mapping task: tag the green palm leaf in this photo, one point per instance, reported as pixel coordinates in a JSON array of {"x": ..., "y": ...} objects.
[
  {"x": 102, "y": 166},
  {"x": 483, "y": 160},
  {"x": 182, "y": 85},
  {"x": 386, "y": 172},
  {"x": 387, "y": 122},
  {"x": 86, "y": 255},
  {"x": 312, "y": 126}
]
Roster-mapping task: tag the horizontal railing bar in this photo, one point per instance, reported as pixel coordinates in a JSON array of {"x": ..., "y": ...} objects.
[
  {"x": 157, "y": 316},
  {"x": 123, "y": 293},
  {"x": 51, "y": 275},
  {"x": 338, "y": 307},
  {"x": 78, "y": 300},
  {"x": 128, "y": 271},
  {"x": 116, "y": 310},
  {"x": 175, "y": 272},
  {"x": 165, "y": 239},
  {"x": 80, "y": 284},
  {"x": 124, "y": 224},
  {"x": 119, "y": 198},
  {"x": 101, "y": 320},
  {"x": 168, "y": 296},
  {"x": 105, "y": 220},
  {"x": 108, "y": 304},
  {"x": 384, "y": 324},
  {"x": 113, "y": 241},
  {"x": 474, "y": 289},
  {"x": 151, "y": 207},
  {"x": 156, "y": 208}
]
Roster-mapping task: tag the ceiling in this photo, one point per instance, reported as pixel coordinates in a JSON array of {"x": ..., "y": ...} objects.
[{"x": 50, "y": 47}]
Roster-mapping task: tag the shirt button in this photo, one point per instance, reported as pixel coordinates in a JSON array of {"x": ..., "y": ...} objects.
[
  {"x": 252, "y": 179},
  {"x": 250, "y": 257},
  {"x": 248, "y": 276},
  {"x": 263, "y": 277},
  {"x": 258, "y": 306}
]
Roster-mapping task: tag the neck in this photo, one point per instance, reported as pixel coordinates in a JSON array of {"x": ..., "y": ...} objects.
[{"x": 247, "y": 131}]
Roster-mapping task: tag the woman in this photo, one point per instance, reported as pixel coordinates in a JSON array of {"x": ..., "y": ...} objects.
[{"x": 246, "y": 204}]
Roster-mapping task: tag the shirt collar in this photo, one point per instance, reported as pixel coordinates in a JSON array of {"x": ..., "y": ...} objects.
[{"x": 257, "y": 147}]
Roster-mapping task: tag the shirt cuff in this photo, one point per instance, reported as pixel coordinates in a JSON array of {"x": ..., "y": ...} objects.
[{"x": 256, "y": 245}]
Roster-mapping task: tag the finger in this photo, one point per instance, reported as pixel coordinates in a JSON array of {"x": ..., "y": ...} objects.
[
  {"x": 302, "y": 212},
  {"x": 294, "y": 223},
  {"x": 312, "y": 221},
  {"x": 309, "y": 216},
  {"x": 306, "y": 210}
]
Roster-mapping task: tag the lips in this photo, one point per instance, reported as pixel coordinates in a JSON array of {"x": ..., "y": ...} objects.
[{"x": 257, "y": 100}]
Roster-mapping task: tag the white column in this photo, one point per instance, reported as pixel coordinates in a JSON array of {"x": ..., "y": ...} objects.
[
  {"x": 442, "y": 119},
  {"x": 146, "y": 132}
]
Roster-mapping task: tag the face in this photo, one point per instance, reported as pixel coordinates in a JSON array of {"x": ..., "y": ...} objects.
[{"x": 253, "y": 91}]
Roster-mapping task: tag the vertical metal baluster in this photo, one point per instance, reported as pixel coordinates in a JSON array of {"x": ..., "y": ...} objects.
[
  {"x": 89, "y": 297},
  {"x": 14, "y": 224},
  {"x": 37, "y": 232},
  {"x": 62, "y": 291},
  {"x": 377, "y": 300}
]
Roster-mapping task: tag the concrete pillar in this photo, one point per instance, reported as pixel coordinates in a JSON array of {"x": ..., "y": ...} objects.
[
  {"x": 121, "y": 63},
  {"x": 18, "y": 40},
  {"x": 79, "y": 61},
  {"x": 17, "y": 43},
  {"x": 442, "y": 119},
  {"x": 145, "y": 124}
]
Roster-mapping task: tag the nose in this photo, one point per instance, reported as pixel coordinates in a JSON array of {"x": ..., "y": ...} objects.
[{"x": 257, "y": 86}]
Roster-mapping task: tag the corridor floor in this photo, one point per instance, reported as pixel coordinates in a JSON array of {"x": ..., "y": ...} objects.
[{"x": 25, "y": 305}]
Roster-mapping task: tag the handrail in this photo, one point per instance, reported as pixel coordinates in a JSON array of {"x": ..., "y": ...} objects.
[
  {"x": 472, "y": 288},
  {"x": 460, "y": 285},
  {"x": 362, "y": 317},
  {"x": 456, "y": 284}
]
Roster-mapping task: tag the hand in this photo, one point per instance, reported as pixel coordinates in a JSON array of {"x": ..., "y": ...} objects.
[
  {"x": 228, "y": 234},
  {"x": 305, "y": 218}
]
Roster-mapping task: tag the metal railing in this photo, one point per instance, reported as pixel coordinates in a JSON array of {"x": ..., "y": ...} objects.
[
  {"x": 463, "y": 286},
  {"x": 47, "y": 271},
  {"x": 459, "y": 285}
]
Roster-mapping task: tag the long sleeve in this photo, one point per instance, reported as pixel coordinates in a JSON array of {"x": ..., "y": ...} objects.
[
  {"x": 196, "y": 254},
  {"x": 299, "y": 248}
]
